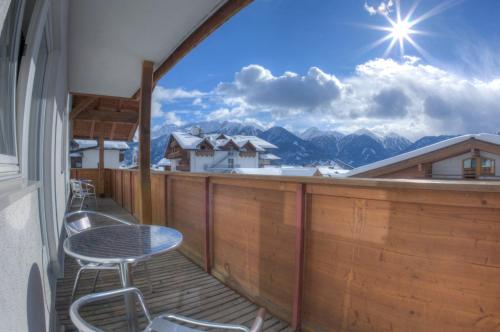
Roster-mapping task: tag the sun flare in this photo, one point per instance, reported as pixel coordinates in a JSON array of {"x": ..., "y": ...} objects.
[{"x": 400, "y": 30}]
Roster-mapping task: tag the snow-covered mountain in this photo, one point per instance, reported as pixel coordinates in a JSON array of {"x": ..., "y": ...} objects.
[
  {"x": 312, "y": 146},
  {"x": 314, "y": 132}
]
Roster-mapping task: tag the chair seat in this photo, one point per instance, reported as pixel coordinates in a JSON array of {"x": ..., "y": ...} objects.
[{"x": 161, "y": 324}]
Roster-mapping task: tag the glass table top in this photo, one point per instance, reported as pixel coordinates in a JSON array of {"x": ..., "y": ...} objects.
[{"x": 122, "y": 243}]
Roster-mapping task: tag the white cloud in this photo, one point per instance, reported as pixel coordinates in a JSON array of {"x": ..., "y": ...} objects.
[
  {"x": 385, "y": 7},
  {"x": 162, "y": 94},
  {"x": 382, "y": 94},
  {"x": 257, "y": 86}
]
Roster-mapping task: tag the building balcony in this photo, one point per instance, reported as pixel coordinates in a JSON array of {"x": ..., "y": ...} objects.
[{"x": 324, "y": 254}]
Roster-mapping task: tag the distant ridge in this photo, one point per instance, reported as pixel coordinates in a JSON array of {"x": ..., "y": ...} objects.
[{"x": 311, "y": 147}]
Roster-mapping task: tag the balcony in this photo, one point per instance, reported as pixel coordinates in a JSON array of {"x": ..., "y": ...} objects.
[
  {"x": 325, "y": 254},
  {"x": 179, "y": 286}
]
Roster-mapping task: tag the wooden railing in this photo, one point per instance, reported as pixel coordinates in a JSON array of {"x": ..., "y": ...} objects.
[{"x": 378, "y": 255}]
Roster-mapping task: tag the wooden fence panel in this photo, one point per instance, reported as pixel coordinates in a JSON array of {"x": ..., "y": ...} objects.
[
  {"x": 126, "y": 192},
  {"x": 119, "y": 187},
  {"x": 158, "y": 198},
  {"x": 187, "y": 214},
  {"x": 254, "y": 242},
  {"x": 390, "y": 265},
  {"x": 135, "y": 194}
]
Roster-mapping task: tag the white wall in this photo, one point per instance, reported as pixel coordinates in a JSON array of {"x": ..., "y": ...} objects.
[
  {"x": 90, "y": 158},
  {"x": 451, "y": 167},
  {"x": 29, "y": 234},
  {"x": 201, "y": 163}
]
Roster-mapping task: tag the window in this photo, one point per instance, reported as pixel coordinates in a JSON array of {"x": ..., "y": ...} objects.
[
  {"x": 487, "y": 167},
  {"x": 230, "y": 163},
  {"x": 478, "y": 166},
  {"x": 10, "y": 37}
]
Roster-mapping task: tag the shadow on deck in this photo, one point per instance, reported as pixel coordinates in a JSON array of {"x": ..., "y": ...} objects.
[{"x": 179, "y": 286}]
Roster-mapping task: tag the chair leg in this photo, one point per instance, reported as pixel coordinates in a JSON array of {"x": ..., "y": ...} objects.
[
  {"x": 148, "y": 277},
  {"x": 75, "y": 285},
  {"x": 83, "y": 200},
  {"x": 71, "y": 201},
  {"x": 95, "y": 280}
]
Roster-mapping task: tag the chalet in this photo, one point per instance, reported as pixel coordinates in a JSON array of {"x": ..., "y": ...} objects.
[
  {"x": 463, "y": 157},
  {"x": 196, "y": 152},
  {"x": 85, "y": 153}
]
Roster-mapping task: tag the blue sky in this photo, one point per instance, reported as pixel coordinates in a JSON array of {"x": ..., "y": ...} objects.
[{"x": 308, "y": 63}]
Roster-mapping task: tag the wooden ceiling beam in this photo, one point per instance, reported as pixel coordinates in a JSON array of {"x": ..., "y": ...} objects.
[
  {"x": 112, "y": 133},
  {"x": 109, "y": 116},
  {"x": 92, "y": 128},
  {"x": 83, "y": 105}
]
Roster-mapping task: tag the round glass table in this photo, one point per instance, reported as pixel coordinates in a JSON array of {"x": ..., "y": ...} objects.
[{"x": 123, "y": 245}]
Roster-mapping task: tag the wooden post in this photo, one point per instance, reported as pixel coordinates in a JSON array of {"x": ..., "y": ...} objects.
[
  {"x": 100, "y": 184},
  {"x": 207, "y": 207},
  {"x": 145, "y": 142},
  {"x": 299, "y": 255}
]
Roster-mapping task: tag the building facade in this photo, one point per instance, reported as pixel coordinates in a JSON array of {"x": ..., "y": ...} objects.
[
  {"x": 471, "y": 157},
  {"x": 196, "y": 152},
  {"x": 85, "y": 154}
]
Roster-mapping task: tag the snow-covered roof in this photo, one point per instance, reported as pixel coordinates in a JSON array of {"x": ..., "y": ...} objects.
[
  {"x": 278, "y": 171},
  {"x": 188, "y": 141},
  {"x": 90, "y": 144},
  {"x": 75, "y": 154},
  {"x": 269, "y": 156},
  {"x": 164, "y": 162},
  {"x": 333, "y": 171},
  {"x": 489, "y": 138}
]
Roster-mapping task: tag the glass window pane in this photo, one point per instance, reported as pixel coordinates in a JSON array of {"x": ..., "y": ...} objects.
[
  {"x": 9, "y": 46},
  {"x": 37, "y": 112}
]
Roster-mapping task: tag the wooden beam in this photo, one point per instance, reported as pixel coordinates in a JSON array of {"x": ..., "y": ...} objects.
[
  {"x": 145, "y": 141},
  {"x": 299, "y": 255},
  {"x": 112, "y": 133},
  {"x": 207, "y": 207},
  {"x": 83, "y": 105},
  {"x": 92, "y": 129},
  {"x": 109, "y": 116},
  {"x": 101, "y": 159},
  {"x": 224, "y": 13}
]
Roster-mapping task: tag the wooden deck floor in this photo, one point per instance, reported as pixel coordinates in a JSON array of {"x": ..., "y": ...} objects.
[{"x": 179, "y": 286}]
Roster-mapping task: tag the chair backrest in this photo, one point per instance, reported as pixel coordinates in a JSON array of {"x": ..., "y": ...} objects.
[
  {"x": 162, "y": 323},
  {"x": 78, "y": 221},
  {"x": 76, "y": 187}
]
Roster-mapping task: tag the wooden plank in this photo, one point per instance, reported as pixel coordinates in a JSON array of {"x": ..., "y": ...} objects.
[
  {"x": 100, "y": 189},
  {"x": 82, "y": 106},
  {"x": 206, "y": 246},
  {"x": 299, "y": 256},
  {"x": 145, "y": 141}
]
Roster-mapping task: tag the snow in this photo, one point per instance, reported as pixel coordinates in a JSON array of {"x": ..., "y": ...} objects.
[
  {"x": 368, "y": 133},
  {"x": 277, "y": 171},
  {"x": 108, "y": 145},
  {"x": 269, "y": 156},
  {"x": 164, "y": 162},
  {"x": 191, "y": 142},
  {"x": 489, "y": 138}
]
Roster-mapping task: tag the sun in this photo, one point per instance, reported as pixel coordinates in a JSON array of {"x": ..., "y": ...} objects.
[{"x": 401, "y": 30}]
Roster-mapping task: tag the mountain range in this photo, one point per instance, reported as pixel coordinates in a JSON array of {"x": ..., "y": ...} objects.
[{"x": 311, "y": 147}]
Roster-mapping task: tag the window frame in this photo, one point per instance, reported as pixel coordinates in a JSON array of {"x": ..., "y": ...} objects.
[{"x": 9, "y": 164}]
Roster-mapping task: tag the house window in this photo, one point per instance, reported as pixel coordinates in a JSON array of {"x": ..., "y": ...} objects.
[
  {"x": 230, "y": 163},
  {"x": 469, "y": 168},
  {"x": 10, "y": 37},
  {"x": 487, "y": 167},
  {"x": 479, "y": 166}
]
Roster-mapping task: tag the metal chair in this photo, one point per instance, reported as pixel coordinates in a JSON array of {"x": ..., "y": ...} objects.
[
  {"x": 82, "y": 190},
  {"x": 81, "y": 223},
  {"x": 162, "y": 323}
]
